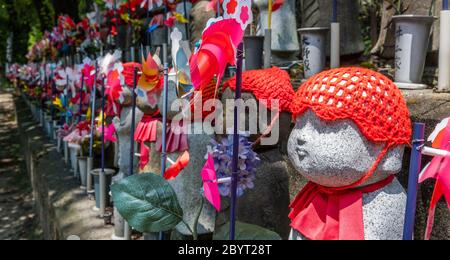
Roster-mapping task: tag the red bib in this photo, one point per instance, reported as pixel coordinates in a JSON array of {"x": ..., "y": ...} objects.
[{"x": 321, "y": 213}]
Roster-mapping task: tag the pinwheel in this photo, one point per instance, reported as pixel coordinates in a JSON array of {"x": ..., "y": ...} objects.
[
  {"x": 181, "y": 53},
  {"x": 438, "y": 169},
  {"x": 150, "y": 78},
  {"x": 114, "y": 83},
  {"x": 217, "y": 49},
  {"x": 107, "y": 63},
  {"x": 88, "y": 73},
  {"x": 175, "y": 169},
  {"x": 109, "y": 133},
  {"x": 210, "y": 184},
  {"x": 219, "y": 42}
]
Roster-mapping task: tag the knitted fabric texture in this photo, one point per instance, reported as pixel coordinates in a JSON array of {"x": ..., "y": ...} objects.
[
  {"x": 128, "y": 73},
  {"x": 368, "y": 98},
  {"x": 267, "y": 84},
  {"x": 206, "y": 92}
]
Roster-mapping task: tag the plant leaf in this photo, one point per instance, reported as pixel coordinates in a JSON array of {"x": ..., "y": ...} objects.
[
  {"x": 245, "y": 231},
  {"x": 147, "y": 202}
]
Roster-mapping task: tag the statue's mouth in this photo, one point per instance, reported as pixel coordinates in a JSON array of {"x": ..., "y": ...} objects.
[{"x": 301, "y": 152}]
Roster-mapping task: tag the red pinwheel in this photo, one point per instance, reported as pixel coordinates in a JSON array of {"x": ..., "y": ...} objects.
[
  {"x": 173, "y": 171},
  {"x": 277, "y": 4},
  {"x": 438, "y": 169},
  {"x": 219, "y": 42},
  {"x": 88, "y": 72}
]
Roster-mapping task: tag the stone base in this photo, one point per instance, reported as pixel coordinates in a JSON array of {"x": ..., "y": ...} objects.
[
  {"x": 411, "y": 86},
  {"x": 116, "y": 238}
]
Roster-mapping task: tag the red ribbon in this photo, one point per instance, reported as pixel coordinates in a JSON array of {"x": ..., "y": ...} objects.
[{"x": 320, "y": 213}]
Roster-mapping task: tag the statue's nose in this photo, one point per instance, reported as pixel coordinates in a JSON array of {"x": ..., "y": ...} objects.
[{"x": 300, "y": 141}]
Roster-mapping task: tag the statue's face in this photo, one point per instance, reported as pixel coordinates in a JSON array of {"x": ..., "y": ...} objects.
[
  {"x": 336, "y": 154},
  {"x": 145, "y": 106},
  {"x": 126, "y": 93}
]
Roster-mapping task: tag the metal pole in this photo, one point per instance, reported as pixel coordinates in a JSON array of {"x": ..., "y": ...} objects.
[
  {"x": 164, "y": 119},
  {"x": 334, "y": 14},
  {"x": 235, "y": 176},
  {"x": 445, "y": 5},
  {"x": 335, "y": 53},
  {"x": 414, "y": 171},
  {"x": 186, "y": 25},
  {"x": 102, "y": 182},
  {"x": 94, "y": 93},
  {"x": 81, "y": 97},
  {"x": 127, "y": 229}
]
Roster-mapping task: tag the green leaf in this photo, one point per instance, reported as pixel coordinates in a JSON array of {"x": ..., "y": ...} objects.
[
  {"x": 245, "y": 231},
  {"x": 147, "y": 202}
]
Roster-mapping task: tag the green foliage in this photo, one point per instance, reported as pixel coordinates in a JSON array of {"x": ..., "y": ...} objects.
[
  {"x": 245, "y": 231},
  {"x": 147, "y": 202},
  {"x": 34, "y": 35}
]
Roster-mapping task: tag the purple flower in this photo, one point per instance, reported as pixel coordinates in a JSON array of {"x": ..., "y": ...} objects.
[{"x": 222, "y": 153}]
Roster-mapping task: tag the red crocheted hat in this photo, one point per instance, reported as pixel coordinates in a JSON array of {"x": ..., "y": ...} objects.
[
  {"x": 368, "y": 98},
  {"x": 267, "y": 84},
  {"x": 128, "y": 72}
]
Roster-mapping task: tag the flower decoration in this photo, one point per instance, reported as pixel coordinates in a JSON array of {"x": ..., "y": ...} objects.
[{"x": 222, "y": 152}]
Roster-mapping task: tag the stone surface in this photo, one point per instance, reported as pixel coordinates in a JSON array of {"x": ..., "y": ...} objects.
[
  {"x": 336, "y": 154},
  {"x": 199, "y": 17},
  {"x": 386, "y": 42},
  {"x": 188, "y": 187},
  {"x": 272, "y": 178},
  {"x": 123, "y": 129},
  {"x": 285, "y": 43},
  {"x": 267, "y": 205},
  {"x": 317, "y": 13}
]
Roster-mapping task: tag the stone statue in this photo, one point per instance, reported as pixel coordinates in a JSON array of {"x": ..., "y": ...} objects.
[
  {"x": 265, "y": 205},
  {"x": 343, "y": 155},
  {"x": 199, "y": 16},
  {"x": 285, "y": 44},
  {"x": 123, "y": 129},
  {"x": 188, "y": 183}
]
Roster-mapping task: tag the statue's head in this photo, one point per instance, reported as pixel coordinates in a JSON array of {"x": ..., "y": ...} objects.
[
  {"x": 267, "y": 95},
  {"x": 352, "y": 125}
]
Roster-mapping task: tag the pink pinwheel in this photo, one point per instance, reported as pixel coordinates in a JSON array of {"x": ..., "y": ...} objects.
[
  {"x": 210, "y": 184},
  {"x": 114, "y": 83},
  {"x": 218, "y": 48},
  {"x": 109, "y": 133},
  {"x": 438, "y": 169},
  {"x": 88, "y": 72}
]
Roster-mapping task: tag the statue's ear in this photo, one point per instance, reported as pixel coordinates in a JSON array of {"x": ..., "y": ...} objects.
[{"x": 393, "y": 160}]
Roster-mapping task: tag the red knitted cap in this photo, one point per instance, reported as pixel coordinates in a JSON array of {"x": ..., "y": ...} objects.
[
  {"x": 368, "y": 98},
  {"x": 128, "y": 73},
  {"x": 267, "y": 84}
]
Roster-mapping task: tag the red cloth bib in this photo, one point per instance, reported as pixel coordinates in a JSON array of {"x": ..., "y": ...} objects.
[{"x": 321, "y": 213}]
